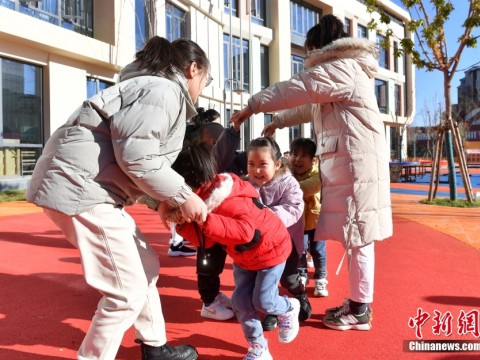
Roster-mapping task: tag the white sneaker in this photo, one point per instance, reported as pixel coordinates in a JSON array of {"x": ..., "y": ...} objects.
[
  {"x": 216, "y": 311},
  {"x": 256, "y": 352},
  {"x": 224, "y": 300},
  {"x": 288, "y": 325},
  {"x": 320, "y": 288}
]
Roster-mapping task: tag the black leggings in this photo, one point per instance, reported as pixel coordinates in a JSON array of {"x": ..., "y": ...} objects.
[
  {"x": 210, "y": 264},
  {"x": 290, "y": 279}
]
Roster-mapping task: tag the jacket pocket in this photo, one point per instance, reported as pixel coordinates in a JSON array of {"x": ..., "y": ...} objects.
[{"x": 328, "y": 145}]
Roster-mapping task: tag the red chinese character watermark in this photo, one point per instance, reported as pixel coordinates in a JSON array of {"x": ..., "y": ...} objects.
[
  {"x": 443, "y": 323},
  {"x": 469, "y": 323},
  {"x": 418, "y": 321}
]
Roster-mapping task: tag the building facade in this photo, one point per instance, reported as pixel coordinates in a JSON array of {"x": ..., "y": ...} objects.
[
  {"x": 56, "y": 53},
  {"x": 468, "y": 107}
]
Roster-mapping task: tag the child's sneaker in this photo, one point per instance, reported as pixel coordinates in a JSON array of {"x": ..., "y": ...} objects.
[
  {"x": 305, "y": 308},
  {"x": 216, "y": 311},
  {"x": 224, "y": 300},
  {"x": 320, "y": 288},
  {"x": 344, "y": 319},
  {"x": 257, "y": 352},
  {"x": 181, "y": 250},
  {"x": 269, "y": 322},
  {"x": 288, "y": 325}
]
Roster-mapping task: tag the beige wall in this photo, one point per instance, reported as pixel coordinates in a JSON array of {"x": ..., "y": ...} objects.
[{"x": 67, "y": 57}]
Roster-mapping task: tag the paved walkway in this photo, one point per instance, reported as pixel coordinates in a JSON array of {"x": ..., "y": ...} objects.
[
  {"x": 460, "y": 223},
  {"x": 47, "y": 306}
]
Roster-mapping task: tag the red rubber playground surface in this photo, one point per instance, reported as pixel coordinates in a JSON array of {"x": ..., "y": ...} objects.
[{"x": 426, "y": 290}]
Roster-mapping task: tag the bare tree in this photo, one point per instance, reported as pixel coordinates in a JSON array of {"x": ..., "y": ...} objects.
[{"x": 428, "y": 24}]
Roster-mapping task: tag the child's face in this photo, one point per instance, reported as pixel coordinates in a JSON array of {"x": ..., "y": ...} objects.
[
  {"x": 301, "y": 162},
  {"x": 261, "y": 166}
]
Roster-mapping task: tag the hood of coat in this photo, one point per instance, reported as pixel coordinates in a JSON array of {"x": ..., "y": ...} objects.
[
  {"x": 363, "y": 51},
  {"x": 224, "y": 186},
  {"x": 131, "y": 71}
]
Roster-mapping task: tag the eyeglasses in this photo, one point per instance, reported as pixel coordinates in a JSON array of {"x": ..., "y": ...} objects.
[{"x": 208, "y": 79}]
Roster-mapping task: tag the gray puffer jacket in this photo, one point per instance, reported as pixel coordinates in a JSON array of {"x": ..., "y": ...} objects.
[{"x": 117, "y": 146}]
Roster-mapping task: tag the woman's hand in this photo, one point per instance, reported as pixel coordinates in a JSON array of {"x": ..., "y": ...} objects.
[
  {"x": 194, "y": 209},
  {"x": 239, "y": 117},
  {"x": 269, "y": 129}
]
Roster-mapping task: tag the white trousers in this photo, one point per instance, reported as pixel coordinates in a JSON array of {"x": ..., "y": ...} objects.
[
  {"x": 176, "y": 239},
  {"x": 123, "y": 267},
  {"x": 361, "y": 267}
]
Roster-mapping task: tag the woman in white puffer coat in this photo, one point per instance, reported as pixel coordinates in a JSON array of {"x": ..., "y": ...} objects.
[
  {"x": 335, "y": 92},
  {"x": 115, "y": 148}
]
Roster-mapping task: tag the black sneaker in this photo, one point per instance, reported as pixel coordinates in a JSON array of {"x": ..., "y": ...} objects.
[
  {"x": 269, "y": 322},
  {"x": 167, "y": 352},
  {"x": 305, "y": 308},
  {"x": 344, "y": 319},
  {"x": 181, "y": 250}
]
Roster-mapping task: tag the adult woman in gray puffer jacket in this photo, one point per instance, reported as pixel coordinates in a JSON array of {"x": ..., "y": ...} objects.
[
  {"x": 335, "y": 92},
  {"x": 115, "y": 148}
]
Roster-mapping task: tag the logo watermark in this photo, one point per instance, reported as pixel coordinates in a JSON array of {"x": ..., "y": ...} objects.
[{"x": 465, "y": 324}]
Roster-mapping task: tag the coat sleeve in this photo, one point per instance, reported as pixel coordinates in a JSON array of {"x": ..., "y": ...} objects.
[
  {"x": 231, "y": 224},
  {"x": 225, "y": 148},
  {"x": 147, "y": 136},
  {"x": 299, "y": 115},
  {"x": 313, "y": 85}
]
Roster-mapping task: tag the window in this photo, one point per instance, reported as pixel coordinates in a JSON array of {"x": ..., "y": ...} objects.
[
  {"x": 362, "y": 31},
  {"x": 294, "y": 133},
  {"x": 21, "y": 116},
  {"x": 94, "y": 86},
  {"x": 236, "y": 61},
  {"x": 297, "y": 64},
  {"x": 265, "y": 67},
  {"x": 396, "y": 57},
  {"x": 398, "y": 100},
  {"x": 176, "y": 22},
  {"x": 347, "y": 26},
  {"x": 267, "y": 119},
  {"x": 382, "y": 95},
  {"x": 230, "y": 4},
  {"x": 383, "y": 52},
  {"x": 258, "y": 9},
  {"x": 143, "y": 28},
  {"x": 75, "y": 15},
  {"x": 246, "y": 133},
  {"x": 302, "y": 18}
]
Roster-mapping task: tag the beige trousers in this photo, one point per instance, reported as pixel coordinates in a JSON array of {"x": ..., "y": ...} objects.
[{"x": 123, "y": 267}]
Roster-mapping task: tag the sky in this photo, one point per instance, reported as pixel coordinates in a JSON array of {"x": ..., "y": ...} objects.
[{"x": 429, "y": 85}]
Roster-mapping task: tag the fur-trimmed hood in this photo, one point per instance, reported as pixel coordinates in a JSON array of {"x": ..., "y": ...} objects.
[
  {"x": 235, "y": 220},
  {"x": 223, "y": 186},
  {"x": 363, "y": 51}
]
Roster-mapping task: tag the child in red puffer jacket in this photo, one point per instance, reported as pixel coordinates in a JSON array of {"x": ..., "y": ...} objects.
[{"x": 253, "y": 236}]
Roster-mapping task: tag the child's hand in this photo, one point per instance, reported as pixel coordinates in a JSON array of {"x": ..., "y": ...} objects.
[{"x": 175, "y": 216}]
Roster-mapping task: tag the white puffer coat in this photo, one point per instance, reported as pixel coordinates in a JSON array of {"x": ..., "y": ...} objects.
[
  {"x": 117, "y": 146},
  {"x": 335, "y": 92}
]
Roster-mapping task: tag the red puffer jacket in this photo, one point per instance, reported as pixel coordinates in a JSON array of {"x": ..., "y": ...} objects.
[{"x": 253, "y": 235}]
